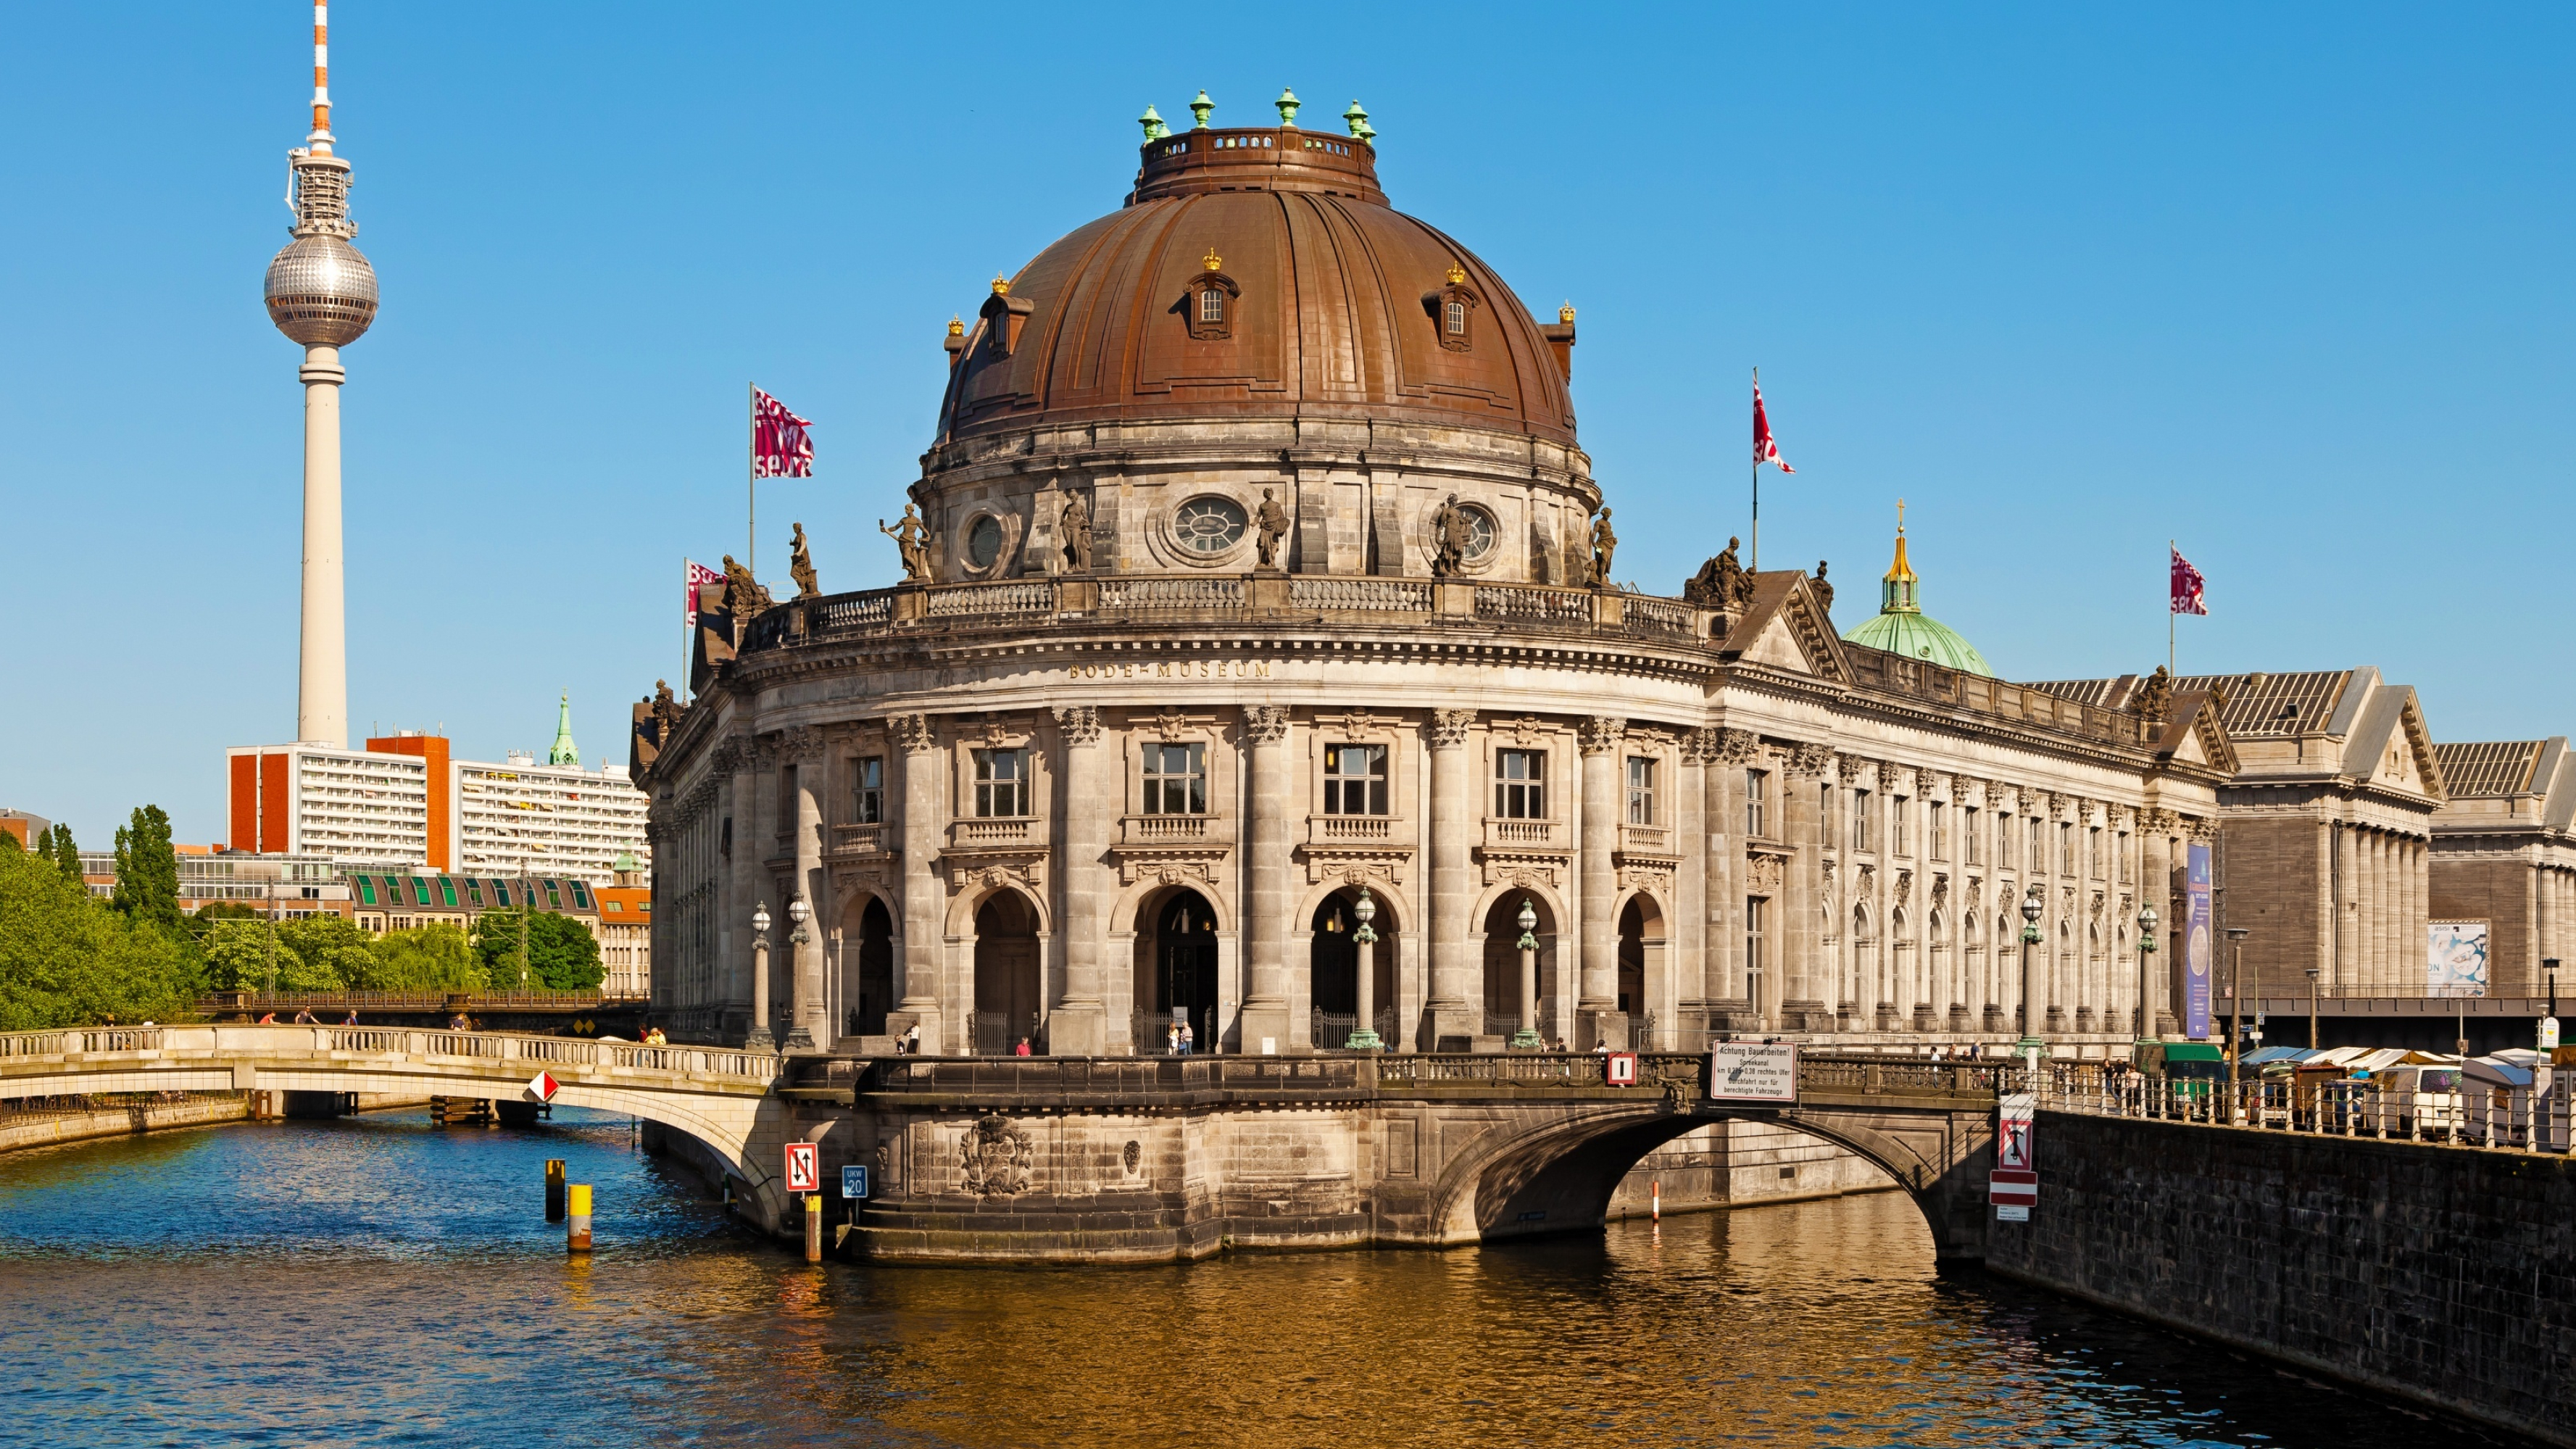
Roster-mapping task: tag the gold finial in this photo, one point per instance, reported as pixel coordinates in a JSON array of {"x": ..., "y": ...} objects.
[
  {"x": 1900, "y": 517},
  {"x": 1001, "y": 285},
  {"x": 1457, "y": 274},
  {"x": 956, "y": 327},
  {"x": 1900, "y": 575},
  {"x": 1565, "y": 313},
  {"x": 1211, "y": 262}
]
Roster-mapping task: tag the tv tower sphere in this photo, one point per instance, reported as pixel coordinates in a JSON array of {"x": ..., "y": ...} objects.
[{"x": 321, "y": 292}]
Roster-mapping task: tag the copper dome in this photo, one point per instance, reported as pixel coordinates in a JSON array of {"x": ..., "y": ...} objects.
[{"x": 1336, "y": 306}]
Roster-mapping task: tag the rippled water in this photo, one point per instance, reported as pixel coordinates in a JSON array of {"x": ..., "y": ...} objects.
[{"x": 377, "y": 1281}]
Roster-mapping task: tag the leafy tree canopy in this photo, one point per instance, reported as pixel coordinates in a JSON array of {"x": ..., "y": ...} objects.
[
  {"x": 67, "y": 959},
  {"x": 147, "y": 870},
  {"x": 562, "y": 953},
  {"x": 429, "y": 958}
]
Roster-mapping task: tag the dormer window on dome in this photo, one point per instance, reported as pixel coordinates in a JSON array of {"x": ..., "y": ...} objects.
[
  {"x": 1453, "y": 309},
  {"x": 1004, "y": 315},
  {"x": 1208, "y": 305}
]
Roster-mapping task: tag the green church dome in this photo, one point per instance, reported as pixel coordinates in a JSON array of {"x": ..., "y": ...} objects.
[{"x": 1901, "y": 627}]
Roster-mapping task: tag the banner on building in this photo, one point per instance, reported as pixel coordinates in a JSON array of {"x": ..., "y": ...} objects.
[
  {"x": 2455, "y": 959},
  {"x": 2195, "y": 942}
]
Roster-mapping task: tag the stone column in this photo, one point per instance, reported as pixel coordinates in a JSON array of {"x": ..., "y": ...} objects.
[
  {"x": 2058, "y": 935},
  {"x": 1802, "y": 999},
  {"x": 925, "y": 895},
  {"x": 2383, "y": 901},
  {"x": 2347, "y": 917},
  {"x": 2155, "y": 888},
  {"x": 743, "y": 757},
  {"x": 1457, "y": 1004},
  {"x": 2418, "y": 942},
  {"x": 1691, "y": 950},
  {"x": 1079, "y": 1026},
  {"x": 2543, "y": 918},
  {"x": 1265, "y": 1010},
  {"x": 1597, "y": 1015},
  {"x": 1729, "y": 753},
  {"x": 810, "y": 1028}
]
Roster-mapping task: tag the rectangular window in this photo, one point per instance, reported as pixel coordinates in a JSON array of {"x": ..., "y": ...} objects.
[
  {"x": 501, "y": 894},
  {"x": 2037, "y": 857},
  {"x": 1457, "y": 313},
  {"x": 447, "y": 890},
  {"x": 1211, "y": 305},
  {"x": 474, "y": 893},
  {"x": 867, "y": 790},
  {"x": 1936, "y": 830},
  {"x": 419, "y": 891},
  {"x": 1860, "y": 820},
  {"x": 1968, "y": 831},
  {"x": 1355, "y": 780},
  {"x": 1001, "y": 783},
  {"x": 1900, "y": 811},
  {"x": 1641, "y": 790},
  {"x": 2124, "y": 857},
  {"x": 2093, "y": 862},
  {"x": 1757, "y": 802},
  {"x": 580, "y": 895},
  {"x": 366, "y": 891},
  {"x": 554, "y": 898},
  {"x": 2066, "y": 847},
  {"x": 1176, "y": 779},
  {"x": 1753, "y": 949},
  {"x": 1520, "y": 784}
]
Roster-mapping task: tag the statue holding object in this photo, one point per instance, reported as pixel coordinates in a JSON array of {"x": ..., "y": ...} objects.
[
  {"x": 912, "y": 541},
  {"x": 800, "y": 566},
  {"x": 1272, "y": 521}
]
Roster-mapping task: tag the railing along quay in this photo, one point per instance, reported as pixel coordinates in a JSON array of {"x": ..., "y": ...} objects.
[
  {"x": 418, "y": 1000},
  {"x": 272, "y": 1042},
  {"x": 2476, "y": 1115}
]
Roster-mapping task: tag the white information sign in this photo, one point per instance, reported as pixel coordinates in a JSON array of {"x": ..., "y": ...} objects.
[{"x": 1743, "y": 1071}]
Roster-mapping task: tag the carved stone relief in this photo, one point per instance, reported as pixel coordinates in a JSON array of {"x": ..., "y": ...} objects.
[{"x": 996, "y": 1158}]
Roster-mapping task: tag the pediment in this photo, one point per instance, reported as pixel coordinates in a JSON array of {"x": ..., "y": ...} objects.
[{"x": 1786, "y": 627}]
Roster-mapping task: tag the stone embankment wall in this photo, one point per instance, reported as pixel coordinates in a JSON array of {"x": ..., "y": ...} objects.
[
  {"x": 2442, "y": 1275},
  {"x": 48, "y": 1129},
  {"x": 1742, "y": 1164}
]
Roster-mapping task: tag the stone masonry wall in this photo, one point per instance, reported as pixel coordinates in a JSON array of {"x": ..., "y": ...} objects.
[
  {"x": 1742, "y": 1164},
  {"x": 2439, "y": 1274}
]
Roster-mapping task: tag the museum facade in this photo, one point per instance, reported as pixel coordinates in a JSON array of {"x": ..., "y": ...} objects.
[{"x": 1258, "y": 624}]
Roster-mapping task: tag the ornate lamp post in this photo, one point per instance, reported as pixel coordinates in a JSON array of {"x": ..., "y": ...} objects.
[
  {"x": 2547, "y": 1039},
  {"x": 1366, "y": 1038},
  {"x": 2235, "y": 1003},
  {"x": 2029, "y": 1046},
  {"x": 2313, "y": 1043},
  {"x": 760, "y": 1040},
  {"x": 2147, "y": 922},
  {"x": 1526, "y": 1039},
  {"x": 800, "y": 1036}
]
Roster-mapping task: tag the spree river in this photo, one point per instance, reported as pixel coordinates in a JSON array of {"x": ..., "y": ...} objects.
[{"x": 375, "y": 1280}]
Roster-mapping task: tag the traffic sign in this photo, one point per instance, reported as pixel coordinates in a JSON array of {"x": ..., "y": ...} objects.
[
  {"x": 2012, "y": 1187},
  {"x": 542, "y": 1086},
  {"x": 804, "y": 1168},
  {"x": 1622, "y": 1069},
  {"x": 854, "y": 1181}
]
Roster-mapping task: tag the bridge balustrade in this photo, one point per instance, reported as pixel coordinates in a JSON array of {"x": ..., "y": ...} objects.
[
  {"x": 2477, "y": 1114},
  {"x": 274, "y": 1041}
]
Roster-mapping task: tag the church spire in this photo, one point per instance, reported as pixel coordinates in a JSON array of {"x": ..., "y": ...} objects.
[
  {"x": 1896, "y": 594},
  {"x": 565, "y": 752}
]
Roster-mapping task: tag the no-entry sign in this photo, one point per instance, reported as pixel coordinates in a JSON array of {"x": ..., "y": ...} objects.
[{"x": 804, "y": 1172}]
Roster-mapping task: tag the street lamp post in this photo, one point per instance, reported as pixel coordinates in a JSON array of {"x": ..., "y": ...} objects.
[
  {"x": 800, "y": 1033},
  {"x": 1526, "y": 1039},
  {"x": 2313, "y": 1043},
  {"x": 1366, "y": 1039},
  {"x": 2147, "y": 920},
  {"x": 2235, "y": 1003},
  {"x": 760, "y": 1040},
  {"x": 2547, "y": 1040},
  {"x": 2029, "y": 1045}
]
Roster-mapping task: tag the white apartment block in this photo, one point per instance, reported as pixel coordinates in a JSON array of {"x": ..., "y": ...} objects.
[
  {"x": 346, "y": 805},
  {"x": 523, "y": 818}
]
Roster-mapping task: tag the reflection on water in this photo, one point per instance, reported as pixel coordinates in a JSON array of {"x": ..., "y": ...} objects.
[{"x": 375, "y": 1280}]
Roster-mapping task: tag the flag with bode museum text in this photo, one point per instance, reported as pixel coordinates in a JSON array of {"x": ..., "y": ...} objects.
[
  {"x": 698, "y": 577},
  {"x": 780, "y": 446},
  {"x": 1765, "y": 448},
  {"x": 2187, "y": 586}
]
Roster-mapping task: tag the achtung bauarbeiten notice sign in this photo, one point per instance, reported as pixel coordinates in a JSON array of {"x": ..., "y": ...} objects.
[{"x": 1750, "y": 1073}]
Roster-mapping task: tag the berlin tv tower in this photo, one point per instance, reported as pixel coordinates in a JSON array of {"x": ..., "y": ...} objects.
[{"x": 321, "y": 293}]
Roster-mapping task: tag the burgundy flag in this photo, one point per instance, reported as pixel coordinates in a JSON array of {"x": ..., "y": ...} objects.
[
  {"x": 1765, "y": 450},
  {"x": 780, "y": 446},
  {"x": 699, "y": 576},
  {"x": 2187, "y": 586}
]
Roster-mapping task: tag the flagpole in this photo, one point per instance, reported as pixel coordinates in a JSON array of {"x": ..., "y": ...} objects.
[
  {"x": 688, "y": 624},
  {"x": 2173, "y": 547},
  {"x": 1757, "y": 486},
  {"x": 751, "y": 479}
]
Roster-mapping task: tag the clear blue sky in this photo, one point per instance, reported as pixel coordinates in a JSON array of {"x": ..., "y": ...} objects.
[{"x": 2290, "y": 285}]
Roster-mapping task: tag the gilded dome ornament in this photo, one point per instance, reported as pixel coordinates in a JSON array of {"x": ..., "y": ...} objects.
[{"x": 1001, "y": 285}]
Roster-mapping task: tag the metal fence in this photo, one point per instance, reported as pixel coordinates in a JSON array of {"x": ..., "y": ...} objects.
[
  {"x": 2474, "y": 1114},
  {"x": 1333, "y": 1028}
]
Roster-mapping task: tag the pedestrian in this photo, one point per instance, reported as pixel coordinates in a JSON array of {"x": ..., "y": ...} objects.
[
  {"x": 267, "y": 1018},
  {"x": 1172, "y": 1039},
  {"x": 911, "y": 1044},
  {"x": 1022, "y": 1049},
  {"x": 1187, "y": 1040},
  {"x": 304, "y": 1017},
  {"x": 352, "y": 1019}
]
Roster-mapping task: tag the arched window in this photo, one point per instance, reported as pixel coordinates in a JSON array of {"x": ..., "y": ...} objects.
[
  {"x": 1455, "y": 317},
  {"x": 1212, "y": 305},
  {"x": 1203, "y": 307},
  {"x": 1452, "y": 309}
]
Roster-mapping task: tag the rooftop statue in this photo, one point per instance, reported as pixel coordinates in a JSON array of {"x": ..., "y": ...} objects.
[
  {"x": 1273, "y": 522},
  {"x": 913, "y": 542},
  {"x": 744, "y": 596},
  {"x": 667, "y": 708},
  {"x": 800, "y": 566},
  {"x": 1824, "y": 591},
  {"x": 1604, "y": 544},
  {"x": 1721, "y": 583},
  {"x": 2155, "y": 697},
  {"x": 1075, "y": 526},
  {"x": 1450, "y": 535}
]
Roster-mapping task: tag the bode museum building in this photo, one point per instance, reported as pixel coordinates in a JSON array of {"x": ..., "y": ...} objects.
[{"x": 1257, "y": 624}]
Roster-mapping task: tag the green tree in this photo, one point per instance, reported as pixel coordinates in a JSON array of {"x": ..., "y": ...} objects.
[
  {"x": 428, "y": 958},
  {"x": 147, "y": 870},
  {"x": 67, "y": 855},
  {"x": 66, "y": 959},
  {"x": 332, "y": 947},
  {"x": 249, "y": 955},
  {"x": 562, "y": 953}
]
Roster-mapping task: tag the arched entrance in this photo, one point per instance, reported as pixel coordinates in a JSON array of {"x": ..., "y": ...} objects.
[
  {"x": 1503, "y": 965},
  {"x": 1641, "y": 946},
  {"x": 1006, "y": 973},
  {"x": 870, "y": 985},
  {"x": 1176, "y": 971},
  {"x": 1333, "y": 974}
]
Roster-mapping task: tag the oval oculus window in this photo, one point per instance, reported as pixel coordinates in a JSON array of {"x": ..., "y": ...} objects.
[
  {"x": 1209, "y": 524},
  {"x": 984, "y": 541}
]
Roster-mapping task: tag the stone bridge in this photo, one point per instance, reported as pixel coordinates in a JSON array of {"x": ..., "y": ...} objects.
[
  {"x": 720, "y": 1098},
  {"x": 1115, "y": 1159},
  {"x": 1155, "y": 1159}
]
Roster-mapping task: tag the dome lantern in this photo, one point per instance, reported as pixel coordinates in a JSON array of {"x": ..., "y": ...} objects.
[{"x": 1902, "y": 628}]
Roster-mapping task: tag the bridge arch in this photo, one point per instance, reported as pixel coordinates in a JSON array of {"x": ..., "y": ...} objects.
[{"x": 1559, "y": 1175}]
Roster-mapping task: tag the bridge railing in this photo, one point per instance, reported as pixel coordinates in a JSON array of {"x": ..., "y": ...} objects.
[
  {"x": 269, "y": 1042},
  {"x": 2472, "y": 1113},
  {"x": 1900, "y": 1076}
]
